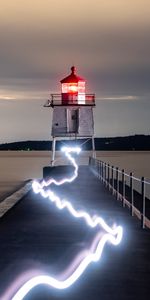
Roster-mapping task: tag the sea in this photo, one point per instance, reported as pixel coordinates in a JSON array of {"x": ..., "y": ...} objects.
[{"x": 18, "y": 166}]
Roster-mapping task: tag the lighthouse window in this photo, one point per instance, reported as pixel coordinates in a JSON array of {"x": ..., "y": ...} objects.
[
  {"x": 72, "y": 87},
  {"x": 81, "y": 87},
  {"x": 65, "y": 88},
  {"x": 69, "y": 87}
]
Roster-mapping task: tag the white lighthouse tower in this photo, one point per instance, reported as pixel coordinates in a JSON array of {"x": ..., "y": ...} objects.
[{"x": 72, "y": 111}]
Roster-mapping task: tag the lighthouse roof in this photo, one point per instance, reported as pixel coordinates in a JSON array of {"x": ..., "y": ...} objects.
[{"x": 72, "y": 78}]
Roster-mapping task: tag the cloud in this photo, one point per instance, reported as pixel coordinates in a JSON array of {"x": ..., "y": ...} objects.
[
  {"x": 127, "y": 97},
  {"x": 108, "y": 41},
  {"x": 4, "y": 97}
]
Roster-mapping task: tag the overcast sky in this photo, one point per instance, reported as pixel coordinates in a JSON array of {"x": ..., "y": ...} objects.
[{"x": 107, "y": 40}]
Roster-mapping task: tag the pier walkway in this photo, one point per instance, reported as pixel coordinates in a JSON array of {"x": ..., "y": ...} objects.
[{"x": 35, "y": 235}]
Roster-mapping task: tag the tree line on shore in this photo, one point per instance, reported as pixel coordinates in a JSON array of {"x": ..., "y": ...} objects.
[{"x": 127, "y": 143}]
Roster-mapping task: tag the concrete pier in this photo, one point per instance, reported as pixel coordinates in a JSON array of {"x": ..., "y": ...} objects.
[{"x": 35, "y": 235}]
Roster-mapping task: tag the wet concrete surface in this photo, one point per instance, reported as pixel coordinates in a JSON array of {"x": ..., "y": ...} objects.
[{"x": 36, "y": 237}]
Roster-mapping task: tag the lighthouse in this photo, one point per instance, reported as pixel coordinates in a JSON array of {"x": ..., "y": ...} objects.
[{"x": 72, "y": 111}]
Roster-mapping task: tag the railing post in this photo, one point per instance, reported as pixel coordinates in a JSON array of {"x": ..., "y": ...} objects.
[
  {"x": 100, "y": 170},
  {"x": 108, "y": 177},
  {"x": 123, "y": 188},
  {"x": 105, "y": 174},
  {"x": 95, "y": 166},
  {"x": 93, "y": 163},
  {"x": 143, "y": 202},
  {"x": 117, "y": 183},
  {"x": 131, "y": 195},
  {"x": 112, "y": 177}
]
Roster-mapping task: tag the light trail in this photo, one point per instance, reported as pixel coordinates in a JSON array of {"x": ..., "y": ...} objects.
[
  {"x": 55, "y": 283},
  {"x": 67, "y": 151},
  {"x": 113, "y": 235}
]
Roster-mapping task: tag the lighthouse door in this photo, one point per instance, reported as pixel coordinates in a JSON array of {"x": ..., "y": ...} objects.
[{"x": 72, "y": 120}]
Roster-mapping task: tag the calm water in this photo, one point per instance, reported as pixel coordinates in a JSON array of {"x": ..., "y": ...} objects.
[
  {"x": 17, "y": 166},
  {"x": 137, "y": 162}
]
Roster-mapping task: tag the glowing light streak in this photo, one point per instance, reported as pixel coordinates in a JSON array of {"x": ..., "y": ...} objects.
[
  {"x": 44, "y": 183},
  {"x": 113, "y": 235},
  {"x": 55, "y": 283}
]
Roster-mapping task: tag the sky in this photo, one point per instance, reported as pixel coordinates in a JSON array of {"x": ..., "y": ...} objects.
[{"x": 107, "y": 40}]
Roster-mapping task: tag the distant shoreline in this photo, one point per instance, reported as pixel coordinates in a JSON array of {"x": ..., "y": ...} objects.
[{"x": 126, "y": 143}]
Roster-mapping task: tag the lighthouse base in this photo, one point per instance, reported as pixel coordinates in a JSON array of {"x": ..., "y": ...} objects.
[{"x": 57, "y": 172}]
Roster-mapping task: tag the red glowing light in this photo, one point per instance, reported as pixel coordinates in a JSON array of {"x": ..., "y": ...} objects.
[
  {"x": 69, "y": 88},
  {"x": 81, "y": 87},
  {"x": 73, "y": 83},
  {"x": 73, "y": 88}
]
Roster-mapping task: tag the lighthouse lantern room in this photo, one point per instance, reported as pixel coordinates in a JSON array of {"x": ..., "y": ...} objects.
[
  {"x": 72, "y": 110},
  {"x": 73, "y": 89}
]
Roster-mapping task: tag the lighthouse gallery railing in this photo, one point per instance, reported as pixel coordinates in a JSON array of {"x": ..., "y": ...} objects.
[{"x": 88, "y": 100}]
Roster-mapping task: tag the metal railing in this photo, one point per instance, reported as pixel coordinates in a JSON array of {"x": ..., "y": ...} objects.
[
  {"x": 122, "y": 186},
  {"x": 56, "y": 100}
]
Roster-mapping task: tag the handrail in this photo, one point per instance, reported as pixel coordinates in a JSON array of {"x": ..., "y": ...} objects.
[
  {"x": 86, "y": 100},
  {"x": 126, "y": 174},
  {"x": 109, "y": 175}
]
